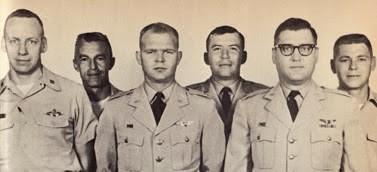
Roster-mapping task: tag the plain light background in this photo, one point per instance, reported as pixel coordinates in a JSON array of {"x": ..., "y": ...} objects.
[{"x": 122, "y": 20}]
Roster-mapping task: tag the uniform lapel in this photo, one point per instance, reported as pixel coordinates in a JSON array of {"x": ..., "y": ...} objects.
[
  {"x": 278, "y": 106},
  {"x": 174, "y": 109},
  {"x": 143, "y": 112},
  {"x": 310, "y": 106}
]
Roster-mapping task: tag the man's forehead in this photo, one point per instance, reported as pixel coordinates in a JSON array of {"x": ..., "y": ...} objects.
[
  {"x": 97, "y": 47},
  {"x": 353, "y": 49},
  {"x": 159, "y": 39},
  {"x": 22, "y": 25},
  {"x": 301, "y": 36},
  {"x": 227, "y": 38}
]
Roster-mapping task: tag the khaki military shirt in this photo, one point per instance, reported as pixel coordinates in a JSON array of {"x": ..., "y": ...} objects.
[
  {"x": 324, "y": 137},
  {"x": 39, "y": 130},
  {"x": 369, "y": 123},
  {"x": 189, "y": 136}
]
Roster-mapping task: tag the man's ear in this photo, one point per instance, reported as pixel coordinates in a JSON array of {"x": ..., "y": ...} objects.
[
  {"x": 244, "y": 57},
  {"x": 75, "y": 65},
  {"x": 112, "y": 62},
  {"x": 373, "y": 63},
  {"x": 3, "y": 44},
  {"x": 274, "y": 55},
  {"x": 332, "y": 64},
  {"x": 205, "y": 56},
  {"x": 179, "y": 56},
  {"x": 44, "y": 45},
  {"x": 138, "y": 57}
]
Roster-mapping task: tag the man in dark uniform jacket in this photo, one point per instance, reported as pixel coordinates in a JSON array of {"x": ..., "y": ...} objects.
[{"x": 225, "y": 55}]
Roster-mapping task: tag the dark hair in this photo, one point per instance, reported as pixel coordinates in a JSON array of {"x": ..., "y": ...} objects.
[
  {"x": 24, "y": 13},
  {"x": 294, "y": 24},
  {"x": 92, "y": 37},
  {"x": 354, "y": 38},
  {"x": 223, "y": 30},
  {"x": 159, "y": 28}
]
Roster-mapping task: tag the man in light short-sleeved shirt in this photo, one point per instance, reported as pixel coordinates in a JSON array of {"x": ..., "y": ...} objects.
[{"x": 46, "y": 121}]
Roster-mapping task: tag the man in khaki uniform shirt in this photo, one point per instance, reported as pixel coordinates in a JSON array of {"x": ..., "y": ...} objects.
[
  {"x": 46, "y": 121},
  {"x": 93, "y": 60},
  {"x": 314, "y": 130},
  {"x": 160, "y": 126},
  {"x": 353, "y": 62},
  {"x": 225, "y": 55}
]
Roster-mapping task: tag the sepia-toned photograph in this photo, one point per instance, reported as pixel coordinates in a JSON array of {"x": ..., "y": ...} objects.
[{"x": 188, "y": 85}]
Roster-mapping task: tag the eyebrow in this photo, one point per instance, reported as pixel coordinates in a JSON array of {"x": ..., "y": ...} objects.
[{"x": 231, "y": 45}]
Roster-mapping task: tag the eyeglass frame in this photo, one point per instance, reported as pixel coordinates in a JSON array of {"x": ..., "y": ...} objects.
[{"x": 312, "y": 46}]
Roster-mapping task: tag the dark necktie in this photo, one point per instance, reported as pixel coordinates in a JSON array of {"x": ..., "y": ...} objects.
[
  {"x": 225, "y": 99},
  {"x": 158, "y": 106},
  {"x": 292, "y": 104}
]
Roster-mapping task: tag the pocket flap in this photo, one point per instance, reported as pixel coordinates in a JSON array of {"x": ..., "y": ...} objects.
[
  {"x": 325, "y": 136},
  {"x": 6, "y": 123},
  {"x": 53, "y": 122},
  {"x": 264, "y": 134},
  {"x": 131, "y": 138},
  {"x": 176, "y": 138},
  {"x": 372, "y": 136}
]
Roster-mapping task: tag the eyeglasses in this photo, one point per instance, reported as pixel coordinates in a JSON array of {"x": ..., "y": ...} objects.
[{"x": 303, "y": 49}]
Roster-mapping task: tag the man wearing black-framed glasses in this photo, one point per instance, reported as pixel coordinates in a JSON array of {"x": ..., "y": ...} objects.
[{"x": 296, "y": 125}]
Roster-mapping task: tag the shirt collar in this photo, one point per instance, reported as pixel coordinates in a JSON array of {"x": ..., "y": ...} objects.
[
  {"x": 303, "y": 91},
  {"x": 372, "y": 97},
  {"x": 151, "y": 92},
  {"x": 218, "y": 87}
]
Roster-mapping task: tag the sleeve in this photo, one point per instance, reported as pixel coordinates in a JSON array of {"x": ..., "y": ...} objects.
[
  {"x": 213, "y": 141},
  {"x": 85, "y": 120},
  {"x": 238, "y": 150},
  {"x": 355, "y": 149},
  {"x": 105, "y": 144}
]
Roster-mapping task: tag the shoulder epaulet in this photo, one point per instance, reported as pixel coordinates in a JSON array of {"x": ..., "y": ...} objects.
[
  {"x": 196, "y": 86},
  {"x": 122, "y": 93},
  {"x": 196, "y": 92},
  {"x": 255, "y": 93},
  {"x": 335, "y": 91}
]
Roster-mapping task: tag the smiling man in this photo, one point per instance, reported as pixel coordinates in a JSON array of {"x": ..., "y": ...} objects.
[
  {"x": 46, "y": 121},
  {"x": 160, "y": 126},
  {"x": 296, "y": 125},
  {"x": 225, "y": 55},
  {"x": 93, "y": 60},
  {"x": 353, "y": 62}
]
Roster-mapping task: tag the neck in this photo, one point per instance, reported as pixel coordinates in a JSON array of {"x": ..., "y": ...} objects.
[
  {"x": 159, "y": 87},
  {"x": 360, "y": 94},
  {"x": 226, "y": 82},
  {"x": 98, "y": 94},
  {"x": 295, "y": 86},
  {"x": 22, "y": 79}
]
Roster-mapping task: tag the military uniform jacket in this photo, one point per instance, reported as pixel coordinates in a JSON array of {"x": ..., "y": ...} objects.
[
  {"x": 38, "y": 131},
  {"x": 243, "y": 89},
  {"x": 369, "y": 123},
  {"x": 324, "y": 137},
  {"x": 189, "y": 136}
]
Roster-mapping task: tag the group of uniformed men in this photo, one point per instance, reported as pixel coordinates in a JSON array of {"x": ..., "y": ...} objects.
[{"x": 226, "y": 123}]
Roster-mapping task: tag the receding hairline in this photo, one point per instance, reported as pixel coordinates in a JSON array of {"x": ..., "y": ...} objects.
[
  {"x": 171, "y": 35},
  {"x": 27, "y": 18}
]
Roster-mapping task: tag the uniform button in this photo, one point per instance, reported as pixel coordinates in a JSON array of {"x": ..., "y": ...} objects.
[
  {"x": 126, "y": 140},
  {"x": 291, "y": 140},
  {"x": 187, "y": 139},
  {"x": 291, "y": 157},
  {"x": 329, "y": 138},
  {"x": 159, "y": 159},
  {"x": 160, "y": 142},
  {"x": 258, "y": 137}
]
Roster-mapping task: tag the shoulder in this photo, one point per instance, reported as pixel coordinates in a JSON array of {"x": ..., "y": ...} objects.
[
  {"x": 252, "y": 86},
  {"x": 334, "y": 92},
  {"x": 197, "y": 86},
  {"x": 256, "y": 94},
  {"x": 121, "y": 94},
  {"x": 196, "y": 93}
]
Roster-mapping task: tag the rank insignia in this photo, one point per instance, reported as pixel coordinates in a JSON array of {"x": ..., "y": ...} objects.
[
  {"x": 327, "y": 123},
  {"x": 185, "y": 124},
  {"x": 2, "y": 115},
  {"x": 262, "y": 124},
  {"x": 130, "y": 126},
  {"x": 54, "y": 113}
]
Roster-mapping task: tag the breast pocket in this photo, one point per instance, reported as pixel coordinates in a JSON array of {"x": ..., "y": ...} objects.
[
  {"x": 7, "y": 134},
  {"x": 185, "y": 147},
  {"x": 130, "y": 151},
  {"x": 327, "y": 149},
  {"x": 263, "y": 147},
  {"x": 53, "y": 129}
]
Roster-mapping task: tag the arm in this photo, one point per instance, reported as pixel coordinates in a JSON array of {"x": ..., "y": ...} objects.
[
  {"x": 213, "y": 141},
  {"x": 238, "y": 151},
  {"x": 105, "y": 144}
]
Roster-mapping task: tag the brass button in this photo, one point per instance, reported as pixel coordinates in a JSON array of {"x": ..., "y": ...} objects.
[
  {"x": 160, "y": 142},
  {"x": 159, "y": 159},
  {"x": 126, "y": 140},
  {"x": 329, "y": 138},
  {"x": 291, "y": 157},
  {"x": 187, "y": 139},
  {"x": 291, "y": 140},
  {"x": 258, "y": 137}
]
